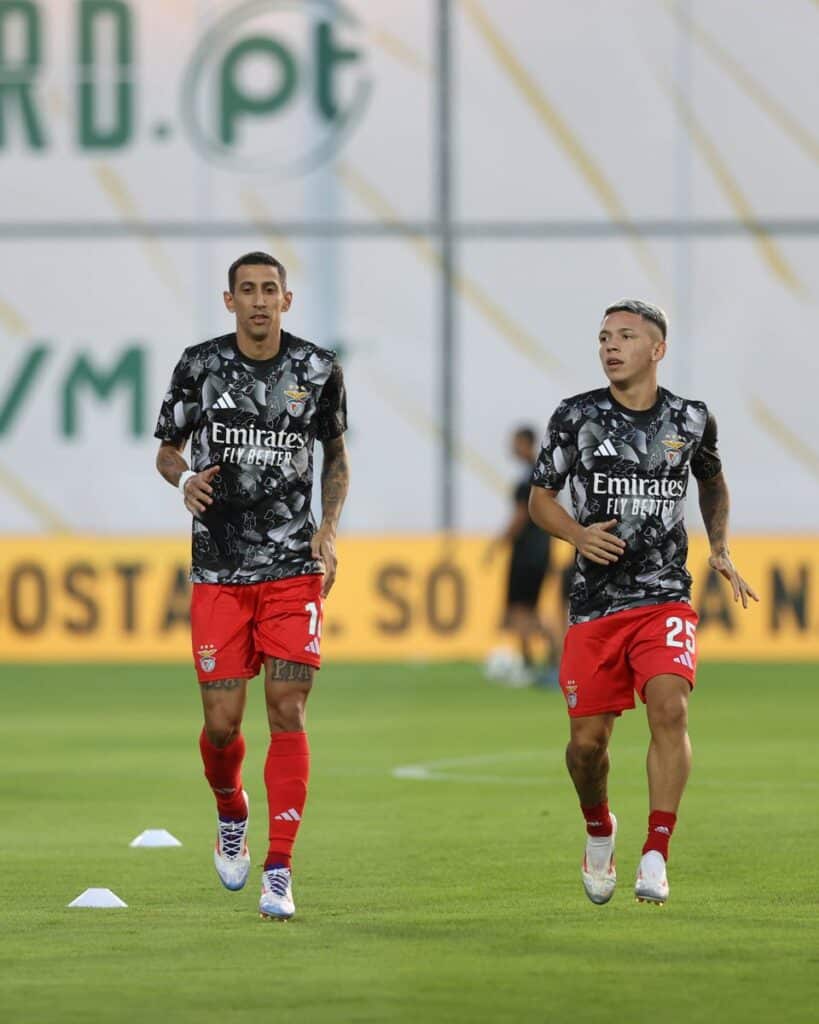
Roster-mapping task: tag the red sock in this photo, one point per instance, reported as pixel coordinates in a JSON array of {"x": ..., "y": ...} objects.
[
  {"x": 660, "y": 829},
  {"x": 223, "y": 770},
  {"x": 286, "y": 772},
  {"x": 598, "y": 819}
]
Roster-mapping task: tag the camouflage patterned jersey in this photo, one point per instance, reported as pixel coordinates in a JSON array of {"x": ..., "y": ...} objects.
[
  {"x": 258, "y": 420},
  {"x": 633, "y": 467}
]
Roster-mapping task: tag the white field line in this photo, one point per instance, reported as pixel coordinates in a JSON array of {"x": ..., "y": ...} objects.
[{"x": 445, "y": 769}]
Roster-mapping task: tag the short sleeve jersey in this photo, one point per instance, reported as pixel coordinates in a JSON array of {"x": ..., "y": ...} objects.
[
  {"x": 258, "y": 420},
  {"x": 632, "y": 467}
]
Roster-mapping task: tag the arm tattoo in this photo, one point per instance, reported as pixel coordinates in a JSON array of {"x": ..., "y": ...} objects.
[
  {"x": 714, "y": 505},
  {"x": 170, "y": 463},
  {"x": 335, "y": 480},
  {"x": 223, "y": 684},
  {"x": 290, "y": 671}
]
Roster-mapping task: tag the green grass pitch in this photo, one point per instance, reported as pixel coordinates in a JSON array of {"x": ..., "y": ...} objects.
[{"x": 451, "y": 895}]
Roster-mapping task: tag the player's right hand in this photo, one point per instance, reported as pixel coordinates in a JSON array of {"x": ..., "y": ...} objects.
[
  {"x": 598, "y": 545},
  {"x": 198, "y": 491}
]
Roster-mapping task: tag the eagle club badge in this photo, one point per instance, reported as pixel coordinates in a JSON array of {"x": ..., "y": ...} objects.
[
  {"x": 296, "y": 400},
  {"x": 571, "y": 693},
  {"x": 673, "y": 450},
  {"x": 207, "y": 658}
]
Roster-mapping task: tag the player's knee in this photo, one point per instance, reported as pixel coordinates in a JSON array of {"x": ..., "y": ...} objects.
[
  {"x": 286, "y": 714},
  {"x": 223, "y": 732},
  {"x": 588, "y": 747},
  {"x": 670, "y": 714}
]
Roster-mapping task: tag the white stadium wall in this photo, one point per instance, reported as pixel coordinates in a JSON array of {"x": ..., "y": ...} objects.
[{"x": 144, "y": 145}]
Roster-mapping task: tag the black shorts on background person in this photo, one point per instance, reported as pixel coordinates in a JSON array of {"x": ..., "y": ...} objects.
[{"x": 528, "y": 567}]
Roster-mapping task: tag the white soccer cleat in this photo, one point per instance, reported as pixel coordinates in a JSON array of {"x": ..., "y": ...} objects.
[
  {"x": 231, "y": 855},
  {"x": 276, "y": 901},
  {"x": 652, "y": 882},
  {"x": 599, "y": 871}
]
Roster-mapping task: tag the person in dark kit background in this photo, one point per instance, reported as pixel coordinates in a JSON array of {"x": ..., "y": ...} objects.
[{"x": 528, "y": 566}]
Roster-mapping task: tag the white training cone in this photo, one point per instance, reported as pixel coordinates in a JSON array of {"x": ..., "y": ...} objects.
[
  {"x": 97, "y": 898},
  {"x": 155, "y": 837}
]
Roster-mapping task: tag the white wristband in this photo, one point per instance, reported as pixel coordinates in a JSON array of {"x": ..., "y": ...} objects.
[{"x": 184, "y": 479}]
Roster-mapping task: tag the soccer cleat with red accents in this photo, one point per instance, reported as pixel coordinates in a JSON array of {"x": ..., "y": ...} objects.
[
  {"x": 599, "y": 871},
  {"x": 652, "y": 882},
  {"x": 231, "y": 856}
]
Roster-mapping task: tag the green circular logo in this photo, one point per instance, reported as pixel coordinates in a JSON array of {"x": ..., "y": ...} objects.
[{"x": 276, "y": 86}]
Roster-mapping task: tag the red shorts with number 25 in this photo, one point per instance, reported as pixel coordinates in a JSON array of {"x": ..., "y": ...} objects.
[
  {"x": 606, "y": 660},
  {"x": 234, "y": 626}
]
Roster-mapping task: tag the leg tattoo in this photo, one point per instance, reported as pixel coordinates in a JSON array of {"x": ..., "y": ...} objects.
[
  {"x": 290, "y": 671},
  {"x": 223, "y": 684}
]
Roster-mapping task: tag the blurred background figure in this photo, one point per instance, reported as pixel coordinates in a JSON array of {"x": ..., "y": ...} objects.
[{"x": 537, "y": 636}]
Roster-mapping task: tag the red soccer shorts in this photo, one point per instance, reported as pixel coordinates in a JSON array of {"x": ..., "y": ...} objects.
[
  {"x": 606, "y": 660},
  {"x": 234, "y": 626}
]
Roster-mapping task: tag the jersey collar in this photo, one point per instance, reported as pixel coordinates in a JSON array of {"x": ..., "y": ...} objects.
[
  {"x": 638, "y": 413},
  {"x": 284, "y": 343}
]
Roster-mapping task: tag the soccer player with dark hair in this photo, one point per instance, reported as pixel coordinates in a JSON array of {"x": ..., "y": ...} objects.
[
  {"x": 626, "y": 451},
  {"x": 254, "y": 402}
]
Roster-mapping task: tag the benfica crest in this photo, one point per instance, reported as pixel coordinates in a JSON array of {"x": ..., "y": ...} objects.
[
  {"x": 296, "y": 399},
  {"x": 207, "y": 658},
  {"x": 673, "y": 450}
]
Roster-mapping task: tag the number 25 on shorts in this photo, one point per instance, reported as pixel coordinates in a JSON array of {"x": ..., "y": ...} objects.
[{"x": 675, "y": 626}]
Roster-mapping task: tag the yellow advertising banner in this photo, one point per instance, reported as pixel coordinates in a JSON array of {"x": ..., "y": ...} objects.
[{"x": 397, "y": 598}]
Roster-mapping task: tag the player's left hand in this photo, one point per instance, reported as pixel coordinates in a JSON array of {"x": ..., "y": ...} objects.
[
  {"x": 323, "y": 546},
  {"x": 725, "y": 567}
]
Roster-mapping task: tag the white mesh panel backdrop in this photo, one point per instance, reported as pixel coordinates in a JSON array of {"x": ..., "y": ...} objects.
[{"x": 599, "y": 150}]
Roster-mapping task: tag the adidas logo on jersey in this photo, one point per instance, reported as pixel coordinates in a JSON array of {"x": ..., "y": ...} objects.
[
  {"x": 313, "y": 647},
  {"x": 684, "y": 659},
  {"x": 606, "y": 448},
  {"x": 291, "y": 815},
  {"x": 224, "y": 401}
]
